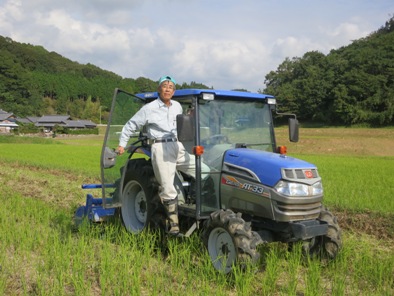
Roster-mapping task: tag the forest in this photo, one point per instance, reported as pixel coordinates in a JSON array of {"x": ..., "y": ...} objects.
[{"x": 352, "y": 85}]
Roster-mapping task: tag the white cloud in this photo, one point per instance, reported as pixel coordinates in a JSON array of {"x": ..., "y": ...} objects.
[
  {"x": 13, "y": 10},
  {"x": 292, "y": 46},
  {"x": 224, "y": 44},
  {"x": 346, "y": 32},
  {"x": 222, "y": 62}
]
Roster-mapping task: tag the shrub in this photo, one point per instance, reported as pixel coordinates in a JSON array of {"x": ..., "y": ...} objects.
[
  {"x": 27, "y": 128},
  {"x": 85, "y": 131}
]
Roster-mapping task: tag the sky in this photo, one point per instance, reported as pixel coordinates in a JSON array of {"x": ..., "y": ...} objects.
[{"x": 224, "y": 44}]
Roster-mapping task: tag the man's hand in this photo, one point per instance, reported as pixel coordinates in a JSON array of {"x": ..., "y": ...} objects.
[{"x": 120, "y": 150}]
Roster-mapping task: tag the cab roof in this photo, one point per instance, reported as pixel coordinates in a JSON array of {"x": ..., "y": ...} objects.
[{"x": 219, "y": 94}]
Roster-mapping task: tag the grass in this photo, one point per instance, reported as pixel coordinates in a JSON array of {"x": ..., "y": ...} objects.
[
  {"x": 79, "y": 159},
  {"x": 41, "y": 254},
  {"x": 359, "y": 183},
  {"x": 340, "y": 141}
]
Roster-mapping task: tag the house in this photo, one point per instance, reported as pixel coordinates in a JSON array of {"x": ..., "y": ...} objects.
[
  {"x": 7, "y": 121},
  {"x": 49, "y": 121},
  {"x": 46, "y": 122}
]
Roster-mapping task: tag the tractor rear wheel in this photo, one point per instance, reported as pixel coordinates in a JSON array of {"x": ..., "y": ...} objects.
[
  {"x": 230, "y": 241},
  {"x": 139, "y": 196},
  {"x": 327, "y": 245}
]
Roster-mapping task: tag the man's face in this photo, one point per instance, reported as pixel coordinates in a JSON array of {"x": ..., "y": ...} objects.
[{"x": 166, "y": 90}]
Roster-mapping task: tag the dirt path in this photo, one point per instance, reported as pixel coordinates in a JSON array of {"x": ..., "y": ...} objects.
[
  {"x": 340, "y": 141},
  {"x": 376, "y": 225}
]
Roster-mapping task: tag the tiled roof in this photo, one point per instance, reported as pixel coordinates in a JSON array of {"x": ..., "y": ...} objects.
[
  {"x": 23, "y": 120},
  {"x": 88, "y": 123},
  {"x": 74, "y": 123},
  {"x": 4, "y": 116},
  {"x": 33, "y": 119},
  {"x": 53, "y": 118},
  {"x": 80, "y": 123}
]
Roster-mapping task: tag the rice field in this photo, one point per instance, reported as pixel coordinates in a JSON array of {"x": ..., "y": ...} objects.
[{"x": 42, "y": 254}]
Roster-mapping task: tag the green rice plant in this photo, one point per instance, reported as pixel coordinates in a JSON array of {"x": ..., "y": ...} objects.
[
  {"x": 293, "y": 260},
  {"x": 243, "y": 279},
  {"x": 357, "y": 183},
  {"x": 313, "y": 277},
  {"x": 10, "y": 139},
  {"x": 105, "y": 259},
  {"x": 373, "y": 274},
  {"x": 82, "y": 160},
  {"x": 272, "y": 272},
  {"x": 3, "y": 256},
  {"x": 339, "y": 280},
  {"x": 178, "y": 254}
]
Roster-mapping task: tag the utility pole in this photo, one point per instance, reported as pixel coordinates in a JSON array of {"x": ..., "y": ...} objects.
[{"x": 100, "y": 114}]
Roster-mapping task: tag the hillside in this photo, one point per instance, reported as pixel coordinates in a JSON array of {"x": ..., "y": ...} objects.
[
  {"x": 34, "y": 82},
  {"x": 353, "y": 85},
  {"x": 350, "y": 85}
]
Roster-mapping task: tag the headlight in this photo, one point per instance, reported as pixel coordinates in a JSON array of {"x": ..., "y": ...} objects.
[
  {"x": 317, "y": 188},
  {"x": 298, "y": 189}
]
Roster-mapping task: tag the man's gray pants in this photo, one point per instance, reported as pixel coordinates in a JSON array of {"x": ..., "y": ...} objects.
[{"x": 167, "y": 158}]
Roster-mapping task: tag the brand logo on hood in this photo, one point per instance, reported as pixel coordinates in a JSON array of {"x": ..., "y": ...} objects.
[
  {"x": 234, "y": 182},
  {"x": 308, "y": 174}
]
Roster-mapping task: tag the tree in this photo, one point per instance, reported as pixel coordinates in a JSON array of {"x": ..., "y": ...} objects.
[{"x": 351, "y": 85}]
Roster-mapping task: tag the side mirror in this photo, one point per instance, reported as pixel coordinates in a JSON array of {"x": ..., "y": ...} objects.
[
  {"x": 109, "y": 158},
  {"x": 185, "y": 128},
  {"x": 293, "y": 130}
]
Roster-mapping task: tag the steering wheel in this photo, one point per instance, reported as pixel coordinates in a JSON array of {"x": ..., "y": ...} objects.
[{"x": 215, "y": 140}]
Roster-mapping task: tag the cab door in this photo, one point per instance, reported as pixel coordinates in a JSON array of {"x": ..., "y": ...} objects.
[{"x": 124, "y": 106}]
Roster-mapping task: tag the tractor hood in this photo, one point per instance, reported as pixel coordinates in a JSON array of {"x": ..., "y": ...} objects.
[{"x": 266, "y": 166}]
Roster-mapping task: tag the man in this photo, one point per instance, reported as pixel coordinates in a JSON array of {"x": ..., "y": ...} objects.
[{"x": 168, "y": 155}]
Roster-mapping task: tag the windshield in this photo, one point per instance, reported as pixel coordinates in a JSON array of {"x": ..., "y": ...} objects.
[
  {"x": 230, "y": 124},
  {"x": 223, "y": 125}
]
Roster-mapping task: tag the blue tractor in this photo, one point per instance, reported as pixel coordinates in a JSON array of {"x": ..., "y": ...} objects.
[{"x": 252, "y": 194}]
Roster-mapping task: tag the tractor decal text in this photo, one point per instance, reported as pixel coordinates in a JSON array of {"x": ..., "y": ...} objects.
[{"x": 231, "y": 181}]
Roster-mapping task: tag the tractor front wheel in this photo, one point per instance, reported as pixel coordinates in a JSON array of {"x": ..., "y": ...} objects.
[
  {"x": 327, "y": 245},
  {"x": 230, "y": 241}
]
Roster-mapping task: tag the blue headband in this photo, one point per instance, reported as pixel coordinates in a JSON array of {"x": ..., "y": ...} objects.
[{"x": 166, "y": 78}]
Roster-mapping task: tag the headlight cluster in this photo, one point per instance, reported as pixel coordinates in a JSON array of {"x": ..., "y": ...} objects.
[{"x": 298, "y": 189}]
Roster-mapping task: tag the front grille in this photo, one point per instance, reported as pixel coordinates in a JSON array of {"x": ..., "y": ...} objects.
[
  {"x": 283, "y": 207},
  {"x": 299, "y": 173},
  {"x": 297, "y": 212}
]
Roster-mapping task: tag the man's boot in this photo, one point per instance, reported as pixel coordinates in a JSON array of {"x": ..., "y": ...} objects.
[{"x": 171, "y": 207}]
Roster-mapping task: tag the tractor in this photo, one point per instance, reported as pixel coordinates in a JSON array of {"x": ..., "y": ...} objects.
[{"x": 253, "y": 193}]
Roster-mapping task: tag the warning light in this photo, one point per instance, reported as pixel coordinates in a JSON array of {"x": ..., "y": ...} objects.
[
  {"x": 198, "y": 150},
  {"x": 282, "y": 149}
]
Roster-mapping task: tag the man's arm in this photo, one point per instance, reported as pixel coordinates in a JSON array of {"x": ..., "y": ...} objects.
[
  {"x": 135, "y": 123},
  {"x": 120, "y": 150}
]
